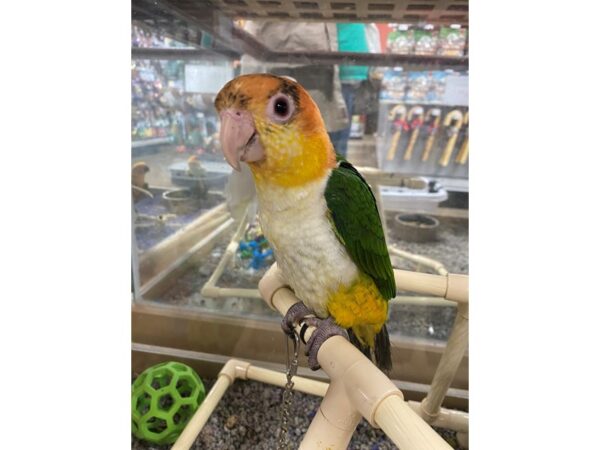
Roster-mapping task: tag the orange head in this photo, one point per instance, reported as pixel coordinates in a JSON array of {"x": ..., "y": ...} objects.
[{"x": 273, "y": 125}]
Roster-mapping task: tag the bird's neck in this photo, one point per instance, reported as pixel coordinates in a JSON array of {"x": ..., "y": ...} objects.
[
  {"x": 303, "y": 160},
  {"x": 274, "y": 198}
]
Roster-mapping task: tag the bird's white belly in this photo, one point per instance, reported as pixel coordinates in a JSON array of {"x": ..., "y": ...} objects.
[{"x": 312, "y": 259}]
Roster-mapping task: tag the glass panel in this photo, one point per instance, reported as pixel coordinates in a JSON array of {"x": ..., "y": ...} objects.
[
  {"x": 393, "y": 94},
  {"x": 405, "y": 120}
]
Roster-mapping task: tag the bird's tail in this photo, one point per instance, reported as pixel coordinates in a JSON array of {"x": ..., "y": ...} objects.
[
  {"x": 381, "y": 348},
  {"x": 383, "y": 351}
]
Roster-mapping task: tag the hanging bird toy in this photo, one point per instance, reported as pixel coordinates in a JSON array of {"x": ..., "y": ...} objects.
[
  {"x": 432, "y": 123},
  {"x": 463, "y": 153},
  {"x": 254, "y": 250},
  {"x": 415, "y": 119},
  {"x": 452, "y": 122},
  {"x": 397, "y": 116}
]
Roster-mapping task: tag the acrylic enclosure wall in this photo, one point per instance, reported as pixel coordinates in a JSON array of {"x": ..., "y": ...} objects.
[{"x": 394, "y": 96}]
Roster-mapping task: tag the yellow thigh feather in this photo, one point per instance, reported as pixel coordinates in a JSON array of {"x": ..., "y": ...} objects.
[{"x": 361, "y": 307}]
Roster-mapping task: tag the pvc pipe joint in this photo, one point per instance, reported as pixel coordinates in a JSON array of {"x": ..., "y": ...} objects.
[
  {"x": 457, "y": 288},
  {"x": 363, "y": 384},
  {"x": 234, "y": 368}
]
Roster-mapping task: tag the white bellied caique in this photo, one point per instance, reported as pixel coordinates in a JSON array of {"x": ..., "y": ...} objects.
[{"x": 315, "y": 209}]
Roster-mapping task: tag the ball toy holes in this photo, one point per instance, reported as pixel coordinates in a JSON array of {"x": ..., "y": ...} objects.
[
  {"x": 143, "y": 403},
  {"x": 156, "y": 425},
  {"x": 166, "y": 402},
  {"x": 161, "y": 379},
  {"x": 182, "y": 415},
  {"x": 185, "y": 387}
]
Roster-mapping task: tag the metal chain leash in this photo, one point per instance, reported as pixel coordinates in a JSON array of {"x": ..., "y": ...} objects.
[{"x": 291, "y": 369}]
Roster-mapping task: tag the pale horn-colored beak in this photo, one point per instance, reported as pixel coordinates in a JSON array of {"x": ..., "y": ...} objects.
[{"x": 239, "y": 140}]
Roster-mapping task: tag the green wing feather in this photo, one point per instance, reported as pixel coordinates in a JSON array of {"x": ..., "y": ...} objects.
[{"x": 358, "y": 226}]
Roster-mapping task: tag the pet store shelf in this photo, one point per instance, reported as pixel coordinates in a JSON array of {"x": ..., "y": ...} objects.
[
  {"x": 422, "y": 103},
  {"x": 191, "y": 23},
  {"x": 404, "y": 11},
  {"x": 150, "y": 142},
  {"x": 182, "y": 54}
]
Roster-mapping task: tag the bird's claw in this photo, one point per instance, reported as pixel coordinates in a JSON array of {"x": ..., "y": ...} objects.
[
  {"x": 296, "y": 313},
  {"x": 325, "y": 328}
]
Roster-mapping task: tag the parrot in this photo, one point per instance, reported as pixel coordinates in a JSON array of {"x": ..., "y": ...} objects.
[
  {"x": 315, "y": 209},
  {"x": 138, "y": 181}
]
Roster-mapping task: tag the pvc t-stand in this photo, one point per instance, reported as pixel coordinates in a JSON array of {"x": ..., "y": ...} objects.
[{"x": 357, "y": 389}]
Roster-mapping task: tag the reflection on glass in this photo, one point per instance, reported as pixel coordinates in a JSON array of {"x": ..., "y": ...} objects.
[{"x": 196, "y": 236}]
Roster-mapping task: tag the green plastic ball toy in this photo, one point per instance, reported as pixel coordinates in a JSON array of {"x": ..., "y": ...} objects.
[{"x": 163, "y": 399}]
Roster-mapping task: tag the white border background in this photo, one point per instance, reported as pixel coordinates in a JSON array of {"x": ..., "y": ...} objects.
[{"x": 64, "y": 174}]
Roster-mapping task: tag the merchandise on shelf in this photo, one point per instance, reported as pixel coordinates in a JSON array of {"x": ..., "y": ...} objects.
[
  {"x": 401, "y": 40},
  {"x": 463, "y": 153},
  {"x": 433, "y": 118},
  {"x": 393, "y": 85},
  {"x": 406, "y": 39},
  {"x": 161, "y": 108},
  {"x": 357, "y": 126},
  {"x": 452, "y": 41},
  {"x": 453, "y": 121},
  {"x": 142, "y": 38},
  {"x": 414, "y": 87},
  {"x": 426, "y": 41},
  {"x": 397, "y": 119},
  {"x": 436, "y": 86},
  {"x": 418, "y": 87},
  {"x": 415, "y": 121}
]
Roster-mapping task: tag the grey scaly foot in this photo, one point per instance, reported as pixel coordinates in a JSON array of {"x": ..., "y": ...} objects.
[
  {"x": 325, "y": 329},
  {"x": 297, "y": 313}
]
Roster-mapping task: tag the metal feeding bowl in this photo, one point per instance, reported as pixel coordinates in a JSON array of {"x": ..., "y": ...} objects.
[
  {"x": 182, "y": 201},
  {"x": 417, "y": 227}
]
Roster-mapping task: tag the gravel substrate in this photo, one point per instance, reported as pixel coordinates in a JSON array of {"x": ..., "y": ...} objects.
[
  {"x": 164, "y": 222},
  {"x": 451, "y": 247},
  {"x": 248, "y": 417}
]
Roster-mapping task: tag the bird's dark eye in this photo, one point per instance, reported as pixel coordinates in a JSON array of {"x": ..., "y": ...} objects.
[{"x": 281, "y": 107}]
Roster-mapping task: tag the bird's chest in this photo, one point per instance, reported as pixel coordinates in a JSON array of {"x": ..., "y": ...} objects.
[{"x": 312, "y": 259}]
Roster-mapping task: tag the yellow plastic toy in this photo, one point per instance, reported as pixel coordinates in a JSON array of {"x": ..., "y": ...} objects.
[
  {"x": 397, "y": 117},
  {"x": 463, "y": 153},
  {"x": 456, "y": 116},
  {"x": 415, "y": 124},
  {"x": 432, "y": 120}
]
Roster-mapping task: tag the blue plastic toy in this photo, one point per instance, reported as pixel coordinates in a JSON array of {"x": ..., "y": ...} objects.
[{"x": 254, "y": 249}]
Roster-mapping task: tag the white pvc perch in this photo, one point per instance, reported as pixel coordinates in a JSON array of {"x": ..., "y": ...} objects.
[
  {"x": 237, "y": 369},
  {"x": 357, "y": 387},
  {"x": 446, "y": 370}
]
